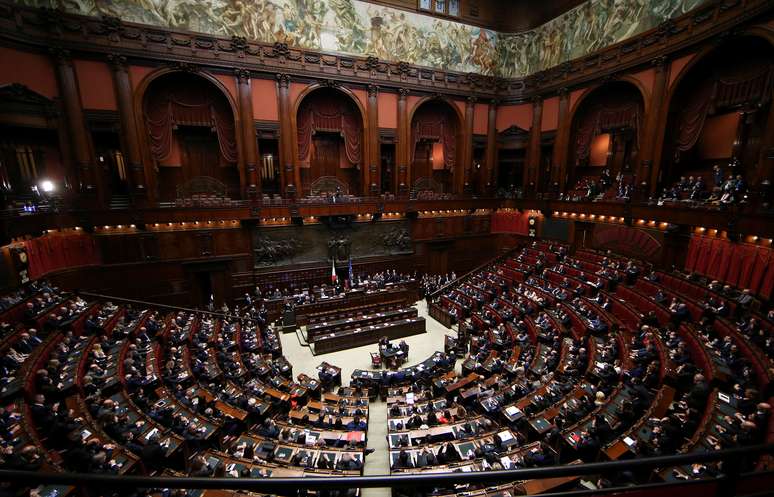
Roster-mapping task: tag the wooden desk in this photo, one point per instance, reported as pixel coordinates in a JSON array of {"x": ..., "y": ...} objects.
[
  {"x": 467, "y": 380},
  {"x": 370, "y": 334}
]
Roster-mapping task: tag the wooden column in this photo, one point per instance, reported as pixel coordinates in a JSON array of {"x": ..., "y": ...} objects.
[
  {"x": 402, "y": 148},
  {"x": 488, "y": 185},
  {"x": 130, "y": 138},
  {"x": 244, "y": 88},
  {"x": 647, "y": 172},
  {"x": 288, "y": 172},
  {"x": 559, "y": 167},
  {"x": 765, "y": 169},
  {"x": 373, "y": 172},
  {"x": 86, "y": 165},
  {"x": 463, "y": 184},
  {"x": 533, "y": 173}
]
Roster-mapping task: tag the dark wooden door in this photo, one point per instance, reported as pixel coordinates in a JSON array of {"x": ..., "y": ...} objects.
[
  {"x": 201, "y": 154},
  {"x": 423, "y": 162},
  {"x": 325, "y": 159}
]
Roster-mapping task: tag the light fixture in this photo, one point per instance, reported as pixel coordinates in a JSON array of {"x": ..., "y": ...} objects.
[{"x": 47, "y": 186}]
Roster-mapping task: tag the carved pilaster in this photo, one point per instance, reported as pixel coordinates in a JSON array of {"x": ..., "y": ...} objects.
[
  {"x": 242, "y": 75},
  {"x": 372, "y": 176},
  {"x": 123, "y": 90},
  {"x": 283, "y": 80},
  {"x": 402, "y": 149},
  {"x": 249, "y": 177},
  {"x": 487, "y": 185},
  {"x": 286, "y": 134},
  {"x": 88, "y": 173}
]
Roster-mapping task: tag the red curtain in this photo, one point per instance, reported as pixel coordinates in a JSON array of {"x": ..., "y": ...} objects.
[
  {"x": 601, "y": 119},
  {"x": 734, "y": 268},
  {"x": 436, "y": 125},
  {"x": 333, "y": 115},
  {"x": 692, "y": 255},
  {"x": 194, "y": 103},
  {"x": 738, "y": 264},
  {"x": 510, "y": 222},
  {"x": 747, "y": 254},
  {"x": 52, "y": 253},
  {"x": 704, "y": 254},
  {"x": 762, "y": 256},
  {"x": 768, "y": 283},
  {"x": 744, "y": 89},
  {"x": 691, "y": 119},
  {"x": 726, "y": 256},
  {"x": 714, "y": 268}
]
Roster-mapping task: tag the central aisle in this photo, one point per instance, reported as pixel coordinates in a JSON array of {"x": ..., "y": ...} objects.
[{"x": 420, "y": 348}]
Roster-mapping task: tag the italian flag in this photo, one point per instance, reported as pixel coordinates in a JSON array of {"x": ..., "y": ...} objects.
[{"x": 333, "y": 271}]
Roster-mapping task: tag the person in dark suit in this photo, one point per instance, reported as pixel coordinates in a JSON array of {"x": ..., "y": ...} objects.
[
  {"x": 153, "y": 454},
  {"x": 697, "y": 395},
  {"x": 403, "y": 461}
]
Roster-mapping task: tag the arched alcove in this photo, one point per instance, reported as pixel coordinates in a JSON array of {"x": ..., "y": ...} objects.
[
  {"x": 435, "y": 146},
  {"x": 718, "y": 110},
  {"x": 330, "y": 141},
  {"x": 190, "y": 133},
  {"x": 606, "y": 131}
]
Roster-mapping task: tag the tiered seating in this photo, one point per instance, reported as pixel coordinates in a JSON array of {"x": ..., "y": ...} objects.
[
  {"x": 566, "y": 359},
  {"x": 113, "y": 389},
  {"x": 583, "y": 408}
]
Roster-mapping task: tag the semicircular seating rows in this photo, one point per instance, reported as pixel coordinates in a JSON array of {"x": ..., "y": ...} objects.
[{"x": 564, "y": 359}]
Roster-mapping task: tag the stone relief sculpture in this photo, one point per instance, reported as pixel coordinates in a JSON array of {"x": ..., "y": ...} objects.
[
  {"x": 397, "y": 239},
  {"x": 268, "y": 252},
  {"x": 339, "y": 248}
]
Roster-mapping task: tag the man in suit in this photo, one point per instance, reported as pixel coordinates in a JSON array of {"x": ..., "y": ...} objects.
[
  {"x": 697, "y": 395},
  {"x": 153, "y": 454}
]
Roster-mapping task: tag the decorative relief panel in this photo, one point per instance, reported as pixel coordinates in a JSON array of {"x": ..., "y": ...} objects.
[{"x": 320, "y": 243}]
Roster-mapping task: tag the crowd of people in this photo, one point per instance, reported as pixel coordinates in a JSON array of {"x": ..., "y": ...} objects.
[
  {"x": 639, "y": 354},
  {"x": 695, "y": 188}
]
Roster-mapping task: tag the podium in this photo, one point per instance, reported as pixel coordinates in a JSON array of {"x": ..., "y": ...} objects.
[{"x": 289, "y": 321}]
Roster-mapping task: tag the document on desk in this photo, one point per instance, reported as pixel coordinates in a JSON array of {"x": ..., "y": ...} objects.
[{"x": 505, "y": 436}]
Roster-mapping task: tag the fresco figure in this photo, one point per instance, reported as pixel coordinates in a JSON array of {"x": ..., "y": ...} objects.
[{"x": 361, "y": 28}]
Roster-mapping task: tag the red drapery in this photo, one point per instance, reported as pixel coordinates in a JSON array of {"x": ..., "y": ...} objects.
[
  {"x": 601, "y": 119},
  {"x": 691, "y": 119},
  {"x": 768, "y": 283},
  {"x": 510, "y": 222},
  {"x": 436, "y": 126},
  {"x": 318, "y": 114},
  {"x": 732, "y": 91},
  {"x": 739, "y": 264},
  {"x": 743, "y": 89},
  {"x": 52, "y": 253},
  {"x": 192, "y": 104}
]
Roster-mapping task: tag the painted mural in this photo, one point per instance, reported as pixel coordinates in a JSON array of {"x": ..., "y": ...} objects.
[
  {"x": 360, "y": 28},
  {"x": 591, "y": 26}
]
